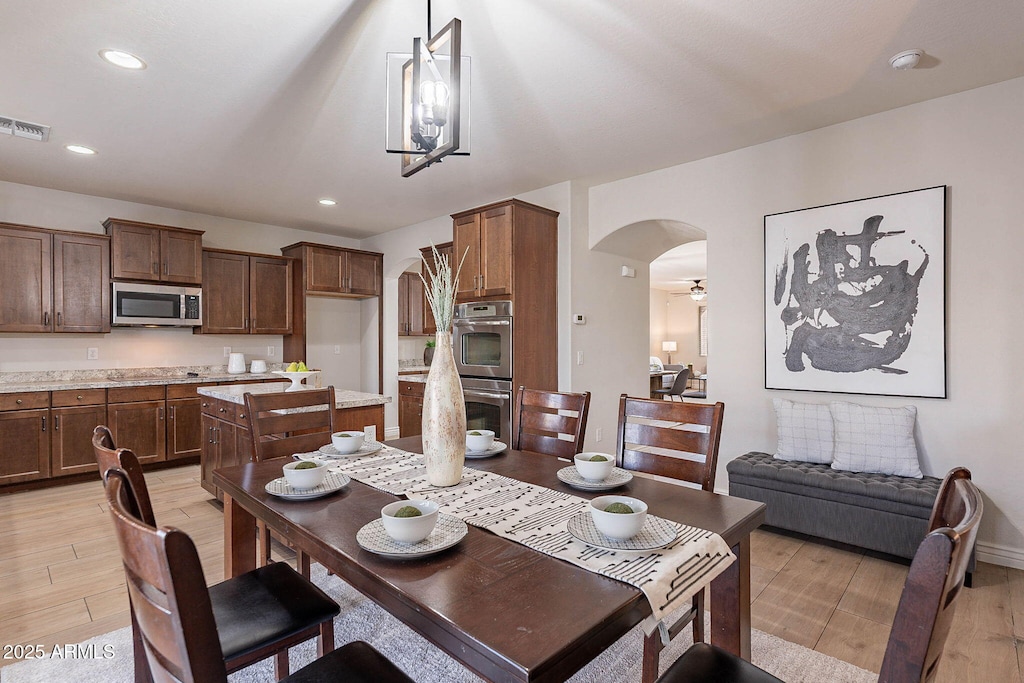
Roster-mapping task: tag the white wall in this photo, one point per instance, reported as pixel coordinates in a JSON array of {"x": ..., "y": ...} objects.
[
  {"x": 674, "y": 318},
  {"x": 973, "y": 143},
  {"x": 659, "y": 322}
]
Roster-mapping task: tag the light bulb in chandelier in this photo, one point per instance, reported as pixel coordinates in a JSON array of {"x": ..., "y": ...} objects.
[
  {"x": 697, "y": 293},
  {"x": 434, "y": 100}
]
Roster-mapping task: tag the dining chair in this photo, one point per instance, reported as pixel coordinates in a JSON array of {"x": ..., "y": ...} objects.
[
  {"x": 539, "y": 420},
  {"x": 678, "y": 386},
  {"x": 679, "y": 441},
  {"x": 925, "y": 609},
  {"x": 197, "y": 634},
  {"x": 280, "y": 435}
]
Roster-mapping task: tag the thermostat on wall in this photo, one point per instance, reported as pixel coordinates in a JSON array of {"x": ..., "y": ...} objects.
[{"x": 579, "y": 319}]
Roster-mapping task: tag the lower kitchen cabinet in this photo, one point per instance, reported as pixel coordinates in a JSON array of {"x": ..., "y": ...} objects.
[
  {"x": 184, "y": 421},
  {"x": 24, "y": 437},
  {"x": 224, "y": 442},
  {"x": 410, "y": 408},
  {"x": 136, "y": 417},
  {"x": 71, "y": 445}
]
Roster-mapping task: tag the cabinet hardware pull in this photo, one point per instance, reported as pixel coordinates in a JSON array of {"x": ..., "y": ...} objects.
[
  {"x": 155, "y": 270},
  {"x": 19, "y": 401},
  {"x": 172, "y": 412},
  {"x": 44, "y": 423},
  {"x": 165, "y": 267},
  {"x": 46, "y": 319},
  {"x": 79, "y": 397},
  {"x": 56, "y": 423},
  {"x": 59, "y": 321},
  {"x": 160, "y": 413}
]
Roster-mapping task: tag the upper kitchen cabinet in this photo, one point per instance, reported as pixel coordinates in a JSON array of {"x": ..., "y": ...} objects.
[
  {"x": 54, "y": 281},
  {"x": 445, "y": 249},
  {"x": 155, "y": 253},
  {"x": 333, "y": 271},
  {"x": 510, "y": 247},
  {"x": 246, "y": 293},
  {"x": 410, "y": 305}
]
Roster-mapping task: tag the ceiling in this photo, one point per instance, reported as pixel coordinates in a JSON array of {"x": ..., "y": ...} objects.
[
  {"x": 678, "y": 268},
  {"x": 254, "y": 110}
]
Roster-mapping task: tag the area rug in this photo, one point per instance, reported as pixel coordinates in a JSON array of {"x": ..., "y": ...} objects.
[{"x": 361, "y": 619}]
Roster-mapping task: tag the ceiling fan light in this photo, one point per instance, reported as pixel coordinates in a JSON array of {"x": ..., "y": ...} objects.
[{"x": 697, "y": 293}]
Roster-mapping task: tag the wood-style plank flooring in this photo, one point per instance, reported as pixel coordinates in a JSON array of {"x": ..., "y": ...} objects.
[{"x": 61, "y": 581}]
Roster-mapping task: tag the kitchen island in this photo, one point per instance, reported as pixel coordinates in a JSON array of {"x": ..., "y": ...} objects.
[{"x": 225, "y": 426}]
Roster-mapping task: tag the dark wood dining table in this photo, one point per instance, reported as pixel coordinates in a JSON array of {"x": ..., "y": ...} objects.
[{"x": 505, "y": 611}]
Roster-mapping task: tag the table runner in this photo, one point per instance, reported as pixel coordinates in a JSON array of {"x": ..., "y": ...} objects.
[{"x": 537, "y": 517}]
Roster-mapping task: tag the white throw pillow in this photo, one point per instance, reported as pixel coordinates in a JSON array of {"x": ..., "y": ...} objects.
[
  {"x": 805, "y": 431},
  {"x": 870, "y": 439}
]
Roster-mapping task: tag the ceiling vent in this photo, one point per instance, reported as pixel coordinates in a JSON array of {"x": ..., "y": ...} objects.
[{"x": 24, "y": 129}]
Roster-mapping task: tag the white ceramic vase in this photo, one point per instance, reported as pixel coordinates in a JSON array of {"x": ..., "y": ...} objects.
[{"x": 444, "y": 417}]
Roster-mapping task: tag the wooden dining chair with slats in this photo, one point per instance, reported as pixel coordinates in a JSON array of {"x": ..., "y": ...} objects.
[
  {"x": 679, "y": 441},
  {"x": 540, "y": 419},
  {"x": 923, "y": 616},
  {"x": 182, "y": 622},
  {"x": 307, "y": 427}
]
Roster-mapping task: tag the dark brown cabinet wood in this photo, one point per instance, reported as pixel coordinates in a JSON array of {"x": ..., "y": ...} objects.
[
  {"x": 446, "y": 249},
  {"x": 224, "y": 442},
  {"x": 270, "y": 295},
  {"x": 485, "y": 236},
  {"x": 26, "y": 279},
  {"x": 184, "y": 432},
  {"x": 410, "y": 305},
  {"x": 81, "y": 283},
  {"x": 137, "y": 418},
  {"x": 337, "y": 271},
  {"x": 71, "y": 442},
  {"x": 25, "y": 426},
  {"x": 155, "y": 253},
  {"x": 246, "y": 293},
  {"x": 361, "y": 272},
  {"x": 410, "y": 408}
]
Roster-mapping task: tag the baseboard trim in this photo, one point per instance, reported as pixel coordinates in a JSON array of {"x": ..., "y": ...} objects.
[
  {"x": 1000, "y": 554},
  {"x": 391, "y": 433}
]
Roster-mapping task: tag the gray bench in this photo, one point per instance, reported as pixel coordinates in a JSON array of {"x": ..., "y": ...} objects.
[{"x": 880, "y": 512}]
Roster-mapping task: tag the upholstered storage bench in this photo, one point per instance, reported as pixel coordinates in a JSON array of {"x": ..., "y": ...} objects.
[{"x": 879, "y": 512}]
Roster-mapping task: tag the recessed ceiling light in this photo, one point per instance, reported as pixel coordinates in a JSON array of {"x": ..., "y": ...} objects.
[
  {"x": 79, "y": 149},
  {"x": 328, "y": 202},
  {"x": 122, "y": 59},
  {"x": 907, "y": 59}
]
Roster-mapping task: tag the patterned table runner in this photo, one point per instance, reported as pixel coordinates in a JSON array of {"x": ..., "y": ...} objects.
[{"x": 537, "y": 517}]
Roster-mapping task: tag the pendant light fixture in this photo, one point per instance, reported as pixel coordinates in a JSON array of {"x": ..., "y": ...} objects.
[{"x": 697, "y": 293}]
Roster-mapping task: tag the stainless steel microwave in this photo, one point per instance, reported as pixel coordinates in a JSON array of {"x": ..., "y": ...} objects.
[{"x": 139, "y": 305}]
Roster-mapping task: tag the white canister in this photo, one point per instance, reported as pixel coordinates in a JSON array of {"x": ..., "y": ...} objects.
[
  {"x": 258, "y": 367},
  {"x": 236, "y": 363}
]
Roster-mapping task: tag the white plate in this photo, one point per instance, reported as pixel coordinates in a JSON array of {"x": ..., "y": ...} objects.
[
  {"x": 656, "y": 533},
  {"x": 368, "y": 447},
  {"x": 496, "y": 447},
  {"x": 616, "y": 478},
  {"x": 332, "y": 482},
  {"x": 449, "y": 531}
]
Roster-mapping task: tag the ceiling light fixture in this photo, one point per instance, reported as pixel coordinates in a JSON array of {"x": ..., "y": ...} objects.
[
  {"x": 123, "y": 59},
  {"x": 428, "y": 99},
  {"x": 80, "y": 149},
  {"x": 907, "y": 59},
  {"x": 328, "y": 202},
  {"x": 697, "y": 293}
]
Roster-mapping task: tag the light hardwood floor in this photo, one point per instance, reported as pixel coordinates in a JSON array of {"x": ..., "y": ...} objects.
[{"x": 61, "y": 581}]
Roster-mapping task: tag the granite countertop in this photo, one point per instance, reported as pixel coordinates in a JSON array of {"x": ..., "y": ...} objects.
[
  {"x": 60, "y": 380},
  {"x": 403, "y": 369},
  {"x": 413, "y": 378},
  {"x": 344, "y": 399}
]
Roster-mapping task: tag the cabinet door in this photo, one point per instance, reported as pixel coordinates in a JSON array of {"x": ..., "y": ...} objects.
[
  {"x": 410, "y": 415},
  {"x": 24, "y": 445},
  {"x": 362, "y": 274},
  {"x": 416, "y": 299},
  {"x": 25, "y": 281},
  {"x": 184, "y": 428},
  {"x": 140, "y": 427},
  {"x": 182, "y": 254},
  {"x": 403, "y": 303},
  {"x": 226, "y": 437},
  {"x": 71, "y": 443},
  {"x": 467, "y": 241},
  {"x": 81, "y": 283},
  {"x": 243, "y": 446},
  {"x": 135, "y": 252},
  {"x": 210, "y": 458},
  {"x": 429, "y": 325},
  {"x": 270, "y": 295},
  {"x": 323, "y": 270},
  {"x": 496, "y": 252},
  {"x": 225, "y": 293}
]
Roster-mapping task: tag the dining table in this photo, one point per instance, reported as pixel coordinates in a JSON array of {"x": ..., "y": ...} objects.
[{"x": 505, "y": 611}]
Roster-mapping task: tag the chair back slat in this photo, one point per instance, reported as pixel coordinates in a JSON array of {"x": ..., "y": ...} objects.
[
  {"x": 936, "y": 577},
  {"x": 659, "y": 437},
  {"x": 107, "y": 457},
  {"x": 540, "y": 416},
  {"x": 168, "y": 594},
  {"x": 275, "y": 435}
]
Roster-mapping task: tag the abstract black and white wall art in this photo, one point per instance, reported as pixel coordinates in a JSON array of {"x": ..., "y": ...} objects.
[{"x": 855, "y": 296}]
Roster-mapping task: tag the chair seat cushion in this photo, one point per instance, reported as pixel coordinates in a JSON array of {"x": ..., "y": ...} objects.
[
  {"x": 704, "y": 663},
  {"x": 695, "y": 394},
  {"x": 356, "y": 662},
  {"x": 267, "y": 604}
]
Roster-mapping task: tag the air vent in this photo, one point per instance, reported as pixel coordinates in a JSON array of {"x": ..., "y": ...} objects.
[{"x": 24, "y": 129}]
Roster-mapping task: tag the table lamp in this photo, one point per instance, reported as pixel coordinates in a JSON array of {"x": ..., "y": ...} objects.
[{"x": 668, "y": 346}]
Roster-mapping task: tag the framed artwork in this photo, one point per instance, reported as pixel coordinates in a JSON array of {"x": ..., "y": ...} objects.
[{"x": 855, "y": 296}]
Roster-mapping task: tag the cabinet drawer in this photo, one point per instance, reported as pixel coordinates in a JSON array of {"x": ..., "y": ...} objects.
[
  {"x": 241, "y": 415},
  {"x": 25, "y": 400},
  {"x": 133, "y": 394},
  {"x": 79, "y": 397},
  {"x": 410, "y": 388},
  {"x": 186, "y": 390}
]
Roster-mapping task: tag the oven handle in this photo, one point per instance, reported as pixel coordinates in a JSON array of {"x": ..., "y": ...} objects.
[
  {"x": 485, "y": 394},
  {"x": 470, "y": 321}
]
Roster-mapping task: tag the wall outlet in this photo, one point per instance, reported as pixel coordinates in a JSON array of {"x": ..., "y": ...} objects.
[
  {"x": 92, "y": 353},
  {"x": 597, "y": 434},
  {"x": 579, "y": 358},
  {"x": 270, "y": 351},
  {"x": 370, "y": 432},
  {"x": 227, "y": 351},
  {"x": 337, "y": 349}
]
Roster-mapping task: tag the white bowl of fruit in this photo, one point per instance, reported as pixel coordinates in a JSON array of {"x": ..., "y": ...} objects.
[{"x": 297, "y": 372}]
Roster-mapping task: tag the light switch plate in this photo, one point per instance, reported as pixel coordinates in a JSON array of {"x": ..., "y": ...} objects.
[
  {"x": 270, "y": 351},
  {"x": 92, "y": 353},
  {"x": 227, "y": 351}
]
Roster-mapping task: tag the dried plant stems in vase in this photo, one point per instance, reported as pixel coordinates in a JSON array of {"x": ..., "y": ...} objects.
[{"x": 444, "y": 406}]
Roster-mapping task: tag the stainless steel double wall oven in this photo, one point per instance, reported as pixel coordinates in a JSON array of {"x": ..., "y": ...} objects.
[{"x": 483, "y": 356}]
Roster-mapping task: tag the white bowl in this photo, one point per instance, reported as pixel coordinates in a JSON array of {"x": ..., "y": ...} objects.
[
  {"x": 594, "y": 471},
  {"x": 307, "y": 477},
  {"x": 409, "y": 529},
  {"x": 479, "y": 440},
  {"x": 615, "y": 524},
  {"x": 347, "y": 442}
]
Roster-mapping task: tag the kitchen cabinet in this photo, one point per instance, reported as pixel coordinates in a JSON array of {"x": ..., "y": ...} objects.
[
  {"x": 410, "y": 408},
  {"x": 445, "y": 249},
  {"x": 410, "y": 305},
  {"x": 24, "y": 436},
  {"x": 75, "y": 414},
  {"x": 53, "y": 281},
  {"x": 184, "y": 429},
  {"x": 246, "y": 293},
  {"x": 336, "y": 271},
  {"x": 136, "y": 418},
  {"x": 155, "y": 253}
]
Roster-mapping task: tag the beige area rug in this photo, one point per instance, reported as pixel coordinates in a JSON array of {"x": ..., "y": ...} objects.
[{"x": 361, "y": 619}]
